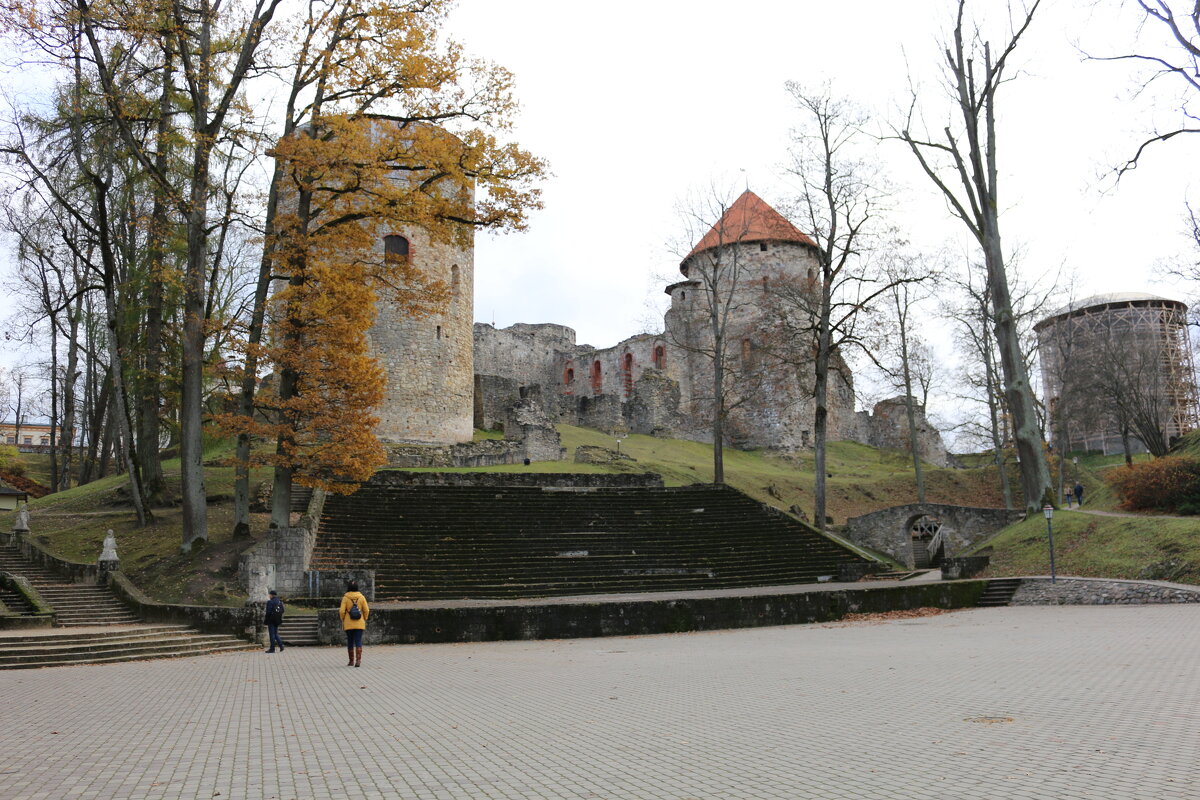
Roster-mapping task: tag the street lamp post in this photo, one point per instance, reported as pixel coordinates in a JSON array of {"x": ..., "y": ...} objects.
[{"x": 1048, "y": 510}]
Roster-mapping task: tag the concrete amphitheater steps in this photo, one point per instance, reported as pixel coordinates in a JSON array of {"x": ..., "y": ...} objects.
[
  {"x": 74, "y": 604},
  {"x": 116, "y": 644},
  {"x": 488, "y": 542}
]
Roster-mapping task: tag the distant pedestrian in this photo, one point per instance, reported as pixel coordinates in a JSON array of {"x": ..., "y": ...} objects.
[
  {"x": 273, "y": 617},
  {"x": 1078, "y": 493},
  {"x": 354, "y": 612}
]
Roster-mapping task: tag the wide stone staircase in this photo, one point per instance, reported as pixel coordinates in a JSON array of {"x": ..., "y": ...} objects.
[
  {"x": 92, "y": 626},
  {"x": 74, "y": 604},
  {"x": 56, "y": 648},
  {"x": 299, "y": 630},
  {"x": 445, "y": 542}
]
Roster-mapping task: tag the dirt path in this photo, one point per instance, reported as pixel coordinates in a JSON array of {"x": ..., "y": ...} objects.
[{"x": 1099, "y": 513}]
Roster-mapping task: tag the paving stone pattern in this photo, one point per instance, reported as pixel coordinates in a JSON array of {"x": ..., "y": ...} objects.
[{"x": 1076, "y": 702}]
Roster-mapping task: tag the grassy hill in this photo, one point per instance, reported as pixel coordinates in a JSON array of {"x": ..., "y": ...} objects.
[
  {"x": 72, "y": 524},
  {"x": 1089, "y": 545}
]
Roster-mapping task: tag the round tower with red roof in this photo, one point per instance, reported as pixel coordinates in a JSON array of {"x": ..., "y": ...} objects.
[{"x": 750, "y": 263}]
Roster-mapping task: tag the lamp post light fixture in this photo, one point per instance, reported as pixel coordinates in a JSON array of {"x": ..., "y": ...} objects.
[{"x": 1048, "y": 510}]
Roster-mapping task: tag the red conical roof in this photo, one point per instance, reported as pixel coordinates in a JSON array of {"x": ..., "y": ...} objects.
[{"x": 750, "y": 219}]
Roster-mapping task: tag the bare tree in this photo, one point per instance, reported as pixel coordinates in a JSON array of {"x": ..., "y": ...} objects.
[
  {"x": 963, "y": 167},
  {"x": 839, "y": 203},
  {"x": 1175, "y": 57},
  {"x": 902, "y": 355},
  {"x": 974, "y": 333}
]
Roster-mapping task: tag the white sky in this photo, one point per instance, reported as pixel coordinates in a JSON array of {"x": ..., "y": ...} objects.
[{"x": 636, "y": 103}]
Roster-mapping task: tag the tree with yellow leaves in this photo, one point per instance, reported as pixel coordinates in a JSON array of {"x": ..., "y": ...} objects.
[{"x": 365, "y": 143}]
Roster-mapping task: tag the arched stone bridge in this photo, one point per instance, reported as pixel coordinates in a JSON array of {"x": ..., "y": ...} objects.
[{"x": 889, "y": 531}]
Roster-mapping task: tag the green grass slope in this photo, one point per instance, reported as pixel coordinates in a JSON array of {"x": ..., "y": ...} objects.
[{"x": 1094, "y": 546}]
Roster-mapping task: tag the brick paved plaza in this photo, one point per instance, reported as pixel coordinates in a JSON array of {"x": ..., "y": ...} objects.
[{"x": 1091, "y": 702}]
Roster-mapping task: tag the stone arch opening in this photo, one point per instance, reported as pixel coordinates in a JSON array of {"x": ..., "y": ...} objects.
[
  {"x": 922, "y": 530},
  {"x": 660, "y": 357},
  {"x": 395, "y": 248},
  {"x": 627, "y": 374},
  {"x": 454, "y": 280},
  {"x": 597, "y": 377}
]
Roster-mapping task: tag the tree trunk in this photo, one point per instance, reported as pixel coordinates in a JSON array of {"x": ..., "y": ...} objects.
[
  {"x": 116, "y": 362},
  {"x": 719, "y": 413},
  {"x": 262, "y": 288},
  {"x": 909, "y": 402},
  {"x": 821, "y": 411},
  {"x": 159, "y": 232},
  {"x": 66, "y": 441}
]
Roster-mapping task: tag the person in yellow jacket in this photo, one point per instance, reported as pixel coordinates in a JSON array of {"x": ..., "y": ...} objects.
[{"x": 354, "y": 612}]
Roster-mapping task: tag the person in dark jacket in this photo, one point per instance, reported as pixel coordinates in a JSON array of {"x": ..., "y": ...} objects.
[
  {"x": 1078, "y": 493},
  {"x": 272, "y": 618}
]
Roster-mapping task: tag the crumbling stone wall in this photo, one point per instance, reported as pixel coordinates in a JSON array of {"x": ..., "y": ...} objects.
[{"x": 887, "y": 427}]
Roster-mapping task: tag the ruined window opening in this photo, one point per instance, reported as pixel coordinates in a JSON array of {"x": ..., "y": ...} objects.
[
  {"x": 395, "y": 248},
  {"x": 439, "y": 331},
  {"x": 454, "y": 280},
  {"x": 597, "y": 377},
  {"x": 628, "y": 375},
  {"x": 762, "y": 247},
  {"x": 660, "y": 356}
]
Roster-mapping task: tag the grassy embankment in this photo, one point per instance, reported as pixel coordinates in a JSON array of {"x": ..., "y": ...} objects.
[
  {"x": 1089, "y": 545},
  {"x": 72, "y": 525}
]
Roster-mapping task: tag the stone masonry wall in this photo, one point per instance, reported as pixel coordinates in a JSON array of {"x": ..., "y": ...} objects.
[
  {"x": 429, "y": 361},
  {"x": 1096, "y": 592}
]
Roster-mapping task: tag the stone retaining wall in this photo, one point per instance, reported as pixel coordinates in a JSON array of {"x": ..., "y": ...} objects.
[
  {"x": 1097, "y": 592},
  {"x": 241, "y": 621},
  {"x": 501, "y": 479},
  {"x": 590, "y": 618}
]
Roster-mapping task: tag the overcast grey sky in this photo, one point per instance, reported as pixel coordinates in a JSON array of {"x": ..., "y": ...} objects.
[{"x": 636, "y": 103}]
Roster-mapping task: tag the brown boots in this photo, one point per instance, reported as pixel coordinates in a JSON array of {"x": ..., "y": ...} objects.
[
  {"x": 355, "y": 654},
  {"x": 350, "y": 652}
]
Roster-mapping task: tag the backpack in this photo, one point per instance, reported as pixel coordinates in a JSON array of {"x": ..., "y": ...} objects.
[
  {"x": 274, "y": 614},
  {"x": 355, "y": 612}
]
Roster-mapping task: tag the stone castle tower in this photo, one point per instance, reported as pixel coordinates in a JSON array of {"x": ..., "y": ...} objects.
[
  {"x": 428, "y": 361},
  {"x": 749, "y": 261}
]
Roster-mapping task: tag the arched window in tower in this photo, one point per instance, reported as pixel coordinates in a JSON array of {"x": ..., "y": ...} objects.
[
  {"x": 660, "y": 357},
  {"x": 627, "y": 374},
  {"x": 454, "y": 280},
  {"x": 395, "y": 248},
  {"x": 597, "y": 377}
]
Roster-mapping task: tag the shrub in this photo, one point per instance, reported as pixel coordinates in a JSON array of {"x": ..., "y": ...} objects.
[
  {"x": 10, "y": 461},
  {"x": 1171, "y": 483}
]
